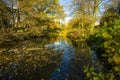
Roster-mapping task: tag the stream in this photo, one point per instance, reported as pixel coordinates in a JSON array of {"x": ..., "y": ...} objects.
[{"x": 46, "y": 59}]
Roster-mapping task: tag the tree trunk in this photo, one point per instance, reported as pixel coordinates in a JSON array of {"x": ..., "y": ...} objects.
[
  {"x": 18, "y": 15},
  {"x": 95, "y": 12}
]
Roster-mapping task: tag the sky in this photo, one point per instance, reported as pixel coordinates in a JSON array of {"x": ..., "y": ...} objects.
[{"x": 67, "y": 9}]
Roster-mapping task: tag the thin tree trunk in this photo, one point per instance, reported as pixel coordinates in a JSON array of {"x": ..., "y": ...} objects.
[
  {"x": 95, "y": 12},
  {"x": 18, "y": 15},
  {"x": 13, "y": 17}
]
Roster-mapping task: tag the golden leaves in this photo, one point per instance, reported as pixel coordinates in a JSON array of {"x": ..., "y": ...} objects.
[
  {"x": 116, "y": 59},
  {"x": 106, "y": 35}
]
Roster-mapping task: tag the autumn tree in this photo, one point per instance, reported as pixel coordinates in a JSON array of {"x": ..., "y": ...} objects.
[
  {"x": 5, "y": 16},
  {"x": 32, "y": 15},
  {"x": 87, "y": 8}
]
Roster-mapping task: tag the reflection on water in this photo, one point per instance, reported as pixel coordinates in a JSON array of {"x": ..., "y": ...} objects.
[
  {"x": 44, "y": 59},
  {"x": 65, "y": 69}
]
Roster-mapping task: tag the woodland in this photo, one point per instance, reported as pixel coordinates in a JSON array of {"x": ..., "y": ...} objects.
[{"x": 93, "y": 22}]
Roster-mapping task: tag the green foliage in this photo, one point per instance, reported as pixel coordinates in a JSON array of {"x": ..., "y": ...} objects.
[
  {"x": 80, "y": 27},
  {"x": 106, "y": 39},
  {"x": 32, "y": 18},
  {"x": 90, "y": 73}
]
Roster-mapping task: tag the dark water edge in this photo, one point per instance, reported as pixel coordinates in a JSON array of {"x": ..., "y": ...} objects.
[{"x": 45, "y": 59}]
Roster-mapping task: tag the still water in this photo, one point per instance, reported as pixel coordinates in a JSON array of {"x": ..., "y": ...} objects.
[{"x": 45, "y": 59}]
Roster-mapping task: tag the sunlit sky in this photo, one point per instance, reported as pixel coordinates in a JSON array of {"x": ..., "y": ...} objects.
[{"x": 67, "y": 9}]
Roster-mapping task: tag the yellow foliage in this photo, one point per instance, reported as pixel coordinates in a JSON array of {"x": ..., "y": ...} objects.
[
  {"x": 106, "y": 35},
  {"x": 116, "y": 59},
  {"x": 52, "y": 25}
]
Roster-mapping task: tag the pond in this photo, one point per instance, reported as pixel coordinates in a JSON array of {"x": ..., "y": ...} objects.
[{"x": 44, "y": 58}]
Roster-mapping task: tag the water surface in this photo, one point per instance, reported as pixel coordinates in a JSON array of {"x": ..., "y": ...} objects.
[{"x": 45, "y": 59}]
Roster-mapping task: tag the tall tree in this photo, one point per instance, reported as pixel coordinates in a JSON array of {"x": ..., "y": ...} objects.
[
  {"x": 5, "y": 16},
  {"x": 37, "y": 13},
  {"x": 89, "y": 9}
]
